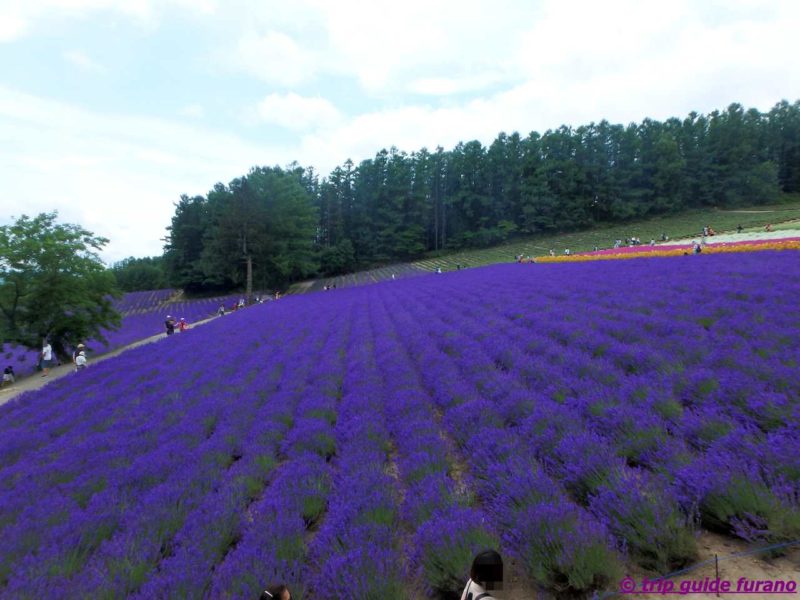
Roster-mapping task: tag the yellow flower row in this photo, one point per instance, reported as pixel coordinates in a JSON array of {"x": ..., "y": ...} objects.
[{"x": 713, "y": 249}]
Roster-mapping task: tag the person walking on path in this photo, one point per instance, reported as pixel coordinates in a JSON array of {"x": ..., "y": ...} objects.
[
  {"x": 170, "y": 325},
  {"x": 221, "y": 310},
  {"x": 47, "y": 357},
  {"x": 183, "y": 325},
  {"x": 80, "y": 361},
  {"x": 78, "y": 349},
  {"x": 9, "y": 377}
]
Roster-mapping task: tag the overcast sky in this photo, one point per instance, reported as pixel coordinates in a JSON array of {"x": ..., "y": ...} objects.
[{"x": 110, "y": 109}]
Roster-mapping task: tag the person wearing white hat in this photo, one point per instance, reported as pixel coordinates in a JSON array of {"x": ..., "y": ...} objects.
[{"x": 78, "y": 348}]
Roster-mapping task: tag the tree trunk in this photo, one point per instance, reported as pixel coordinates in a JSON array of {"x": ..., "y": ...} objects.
[
  {"x": 249, "y": 290},
  {"x": 436, "y": 219},
  {"x": 444, "y": 224}
]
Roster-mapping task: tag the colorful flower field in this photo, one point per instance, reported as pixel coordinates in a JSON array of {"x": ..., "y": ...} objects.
[
  {"x": 366, "y": 442},
  {"x": 662, "y": 250}
]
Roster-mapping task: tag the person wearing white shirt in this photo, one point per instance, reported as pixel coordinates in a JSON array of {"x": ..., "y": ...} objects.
[
  {"x": 80, "y": 361},
  {"x": 47, "y": 357}
]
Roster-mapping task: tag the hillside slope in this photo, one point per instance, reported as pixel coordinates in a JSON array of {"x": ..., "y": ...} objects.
[
  {"x": 366, "y": 442},
  {"x": 686, "y": 225}
]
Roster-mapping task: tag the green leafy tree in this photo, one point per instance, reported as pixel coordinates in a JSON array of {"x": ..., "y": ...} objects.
[
  {"x": 338, "y": 259},
  {"x": 398, "y": 205},
  {"x": 135, "y": 274},
  {"x": 784, "y": 142},
  {"x": 53, "y": 284},
  {"x": 184, "y": 243},
  {"x": 261, "y": 231}
]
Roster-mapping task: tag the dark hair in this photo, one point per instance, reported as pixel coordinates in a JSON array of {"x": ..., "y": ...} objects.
[
  {"x": 487, "y": 567},
  {"x": 274, "y": 591}
]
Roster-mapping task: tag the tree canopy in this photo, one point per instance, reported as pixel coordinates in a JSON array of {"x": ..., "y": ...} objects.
[
  {"x": 397, "y": 205},
  {"x": 265, "y": 219},
  {"x": 135, "y": 274},
  {"x": 53, "y": 284}
]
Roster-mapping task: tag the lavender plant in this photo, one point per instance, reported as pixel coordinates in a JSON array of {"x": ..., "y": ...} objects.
[{"x": 365, "y": 443}]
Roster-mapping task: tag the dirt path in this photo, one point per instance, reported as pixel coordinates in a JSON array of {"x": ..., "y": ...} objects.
[
  {"x": 300, "y": 288},
  {"x": 36, "y": 381},
  {"x": 734, "y": 563}
]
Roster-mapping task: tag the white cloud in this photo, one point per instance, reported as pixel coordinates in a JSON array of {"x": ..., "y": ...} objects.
[
  {"x": 524, "y": 65},
  {"x": 13, "y": 25},
  {"x": 194, "y": 111},
  {"x": 297, "y": 112},
  {"x": 83, "y": 62},
  {"x": 274, "y": 57},
  {"x": 388, "y": 45},
  {"x": 383, "y": 45},
  {"x": 446, "y": 86},
  {"x": 18, "y": 17},
  {"x": 118, "y": 175}
]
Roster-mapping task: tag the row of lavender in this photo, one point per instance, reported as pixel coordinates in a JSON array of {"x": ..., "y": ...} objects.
[{"x": 365, "y": 444}]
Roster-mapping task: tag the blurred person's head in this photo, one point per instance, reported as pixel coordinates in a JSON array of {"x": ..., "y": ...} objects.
[
  {"x": 276, "y": 592},
  {"x": 487, "y": 570}
]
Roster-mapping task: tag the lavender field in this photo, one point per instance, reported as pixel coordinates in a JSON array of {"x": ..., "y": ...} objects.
[
  {"x": 143, "y": 315},
  {"x": 364, "y": 443}
]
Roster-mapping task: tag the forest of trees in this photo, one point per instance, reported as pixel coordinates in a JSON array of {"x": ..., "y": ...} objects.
[{"x": 290, "y": 223}]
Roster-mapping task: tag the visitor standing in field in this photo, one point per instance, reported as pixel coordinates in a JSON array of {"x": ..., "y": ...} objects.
[
  {"x": 183, "y": 325},
  {"x": 221, "y": 310},
  {"x": 169, "y": 324},
  {"x": 9, "y": 377},
  {"x": 47, "y": 357},
  {"x": 80, "y": 361},
  {"x": 486, "y": 574},
  {"x": 739, "y": 228}
]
